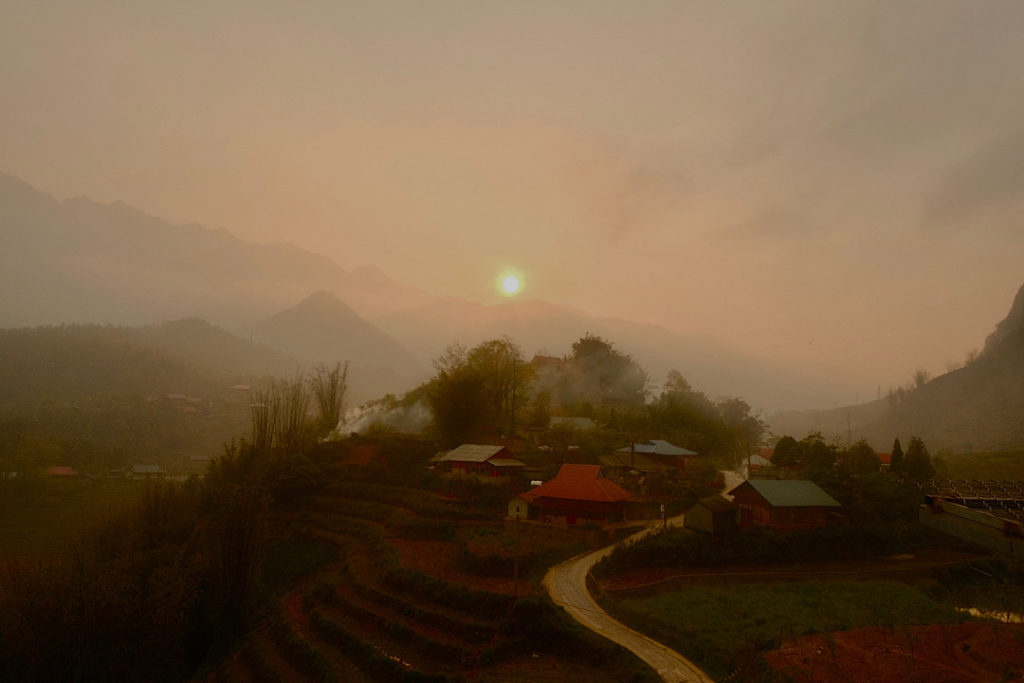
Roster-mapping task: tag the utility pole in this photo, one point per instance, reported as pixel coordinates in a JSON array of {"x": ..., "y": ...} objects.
[{"x": 515, "y": 557}]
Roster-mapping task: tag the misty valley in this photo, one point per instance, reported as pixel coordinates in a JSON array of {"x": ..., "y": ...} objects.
[
  {"x": 227, "y": 510},
  {"x": 482, "y": 342}
]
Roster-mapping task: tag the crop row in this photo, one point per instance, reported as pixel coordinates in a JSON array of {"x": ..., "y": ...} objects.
[
  {"x": 417, "y": 640},
  {"x": 378, "y": 664}
]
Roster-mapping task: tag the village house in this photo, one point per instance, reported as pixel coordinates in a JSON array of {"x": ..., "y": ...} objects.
[
  {"x": 579, "y": 424},
  {"x": 672, "y": 457},
  {"x": 61, "y": 471},
  {"x": 754, "y": 465},
  {"x": 714, "y": 515},
  {"x": 138, "y": 471},
  {"x": 577, "y": 495},
  {"x": 478, "y": 459},
  {"x": 783, "y": 504},
  {"x": 621, "y": 464}
]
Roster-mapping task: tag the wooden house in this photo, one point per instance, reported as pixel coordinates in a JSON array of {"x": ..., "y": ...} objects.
[
  {"x": 784, "y": 504},
  {"x": 478, "y": 459},
  {"x": 577, "y": 495}
]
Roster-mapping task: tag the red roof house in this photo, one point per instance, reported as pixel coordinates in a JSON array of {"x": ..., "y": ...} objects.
[{"x": 578, "y": 494}]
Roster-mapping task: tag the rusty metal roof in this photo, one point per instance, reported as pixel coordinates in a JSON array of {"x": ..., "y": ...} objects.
[{"x": 580, "y": 482}]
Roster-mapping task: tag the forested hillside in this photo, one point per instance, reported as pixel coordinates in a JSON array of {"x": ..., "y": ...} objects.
[{"x": 976, "y": 407}]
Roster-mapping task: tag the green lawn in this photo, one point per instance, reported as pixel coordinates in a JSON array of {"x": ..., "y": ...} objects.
[{"x": 718, "y": 626}]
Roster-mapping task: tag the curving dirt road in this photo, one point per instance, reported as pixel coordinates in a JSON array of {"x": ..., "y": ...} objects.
[{"x": 567, "y": 585}]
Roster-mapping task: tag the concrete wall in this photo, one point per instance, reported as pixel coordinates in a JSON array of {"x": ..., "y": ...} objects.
[{"x": 973, "y": 525}]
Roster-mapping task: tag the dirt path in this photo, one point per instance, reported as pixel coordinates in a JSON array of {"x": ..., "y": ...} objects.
[{"x": 567, "y": 585}]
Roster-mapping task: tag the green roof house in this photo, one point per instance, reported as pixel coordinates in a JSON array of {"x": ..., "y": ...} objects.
[{"x": 783, "y": 504}]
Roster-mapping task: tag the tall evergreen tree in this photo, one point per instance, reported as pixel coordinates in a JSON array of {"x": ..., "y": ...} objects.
[
  {"x": 918, "y": 462},
  {"x": 897, "y": 457}
]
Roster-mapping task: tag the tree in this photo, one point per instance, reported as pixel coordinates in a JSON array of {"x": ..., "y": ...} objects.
[
  {"x": 293, "y": 424},
  {"x": 606, "y": 374},
  {"x": 745, "y": 429},
  {"x": 918, "y": 462},
  {"x": 819, "y": 457},
  {"x": 920, "y": 378},
  {"x": 329, "y": 388},
  {"x": 860, "y": 458},
  {"x": 456, "y": 398},
  {"x": 896, "y": 465},
  {"x": 787, "y": 452},
  {"x": 505, "y": 379}
]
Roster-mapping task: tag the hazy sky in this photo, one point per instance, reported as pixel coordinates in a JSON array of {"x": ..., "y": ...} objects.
[{"x": 840, "y": 182}]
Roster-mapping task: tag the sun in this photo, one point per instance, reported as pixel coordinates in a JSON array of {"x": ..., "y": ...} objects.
[{"x": 510, "y": 283}]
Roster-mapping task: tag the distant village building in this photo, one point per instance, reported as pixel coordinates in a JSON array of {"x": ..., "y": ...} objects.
[
  {"x": 580, "y": 424},
  {"x": 577, "y": 495},
  {"x": 783, "y": 504},
  {"x": 620, "y": 464},
  {"x": 138, "y": 471},
  {"x": 668, "y": 455},
  {"x": 714, "y": 515},
  {"x": 478, "y": 459},
  {"x": 754, "y": 465},
  {"x": 61, "y": 471}
]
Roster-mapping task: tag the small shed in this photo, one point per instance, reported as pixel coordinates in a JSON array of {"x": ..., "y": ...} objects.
[
  {"x": 784, "y": 504},
  {"x": 714, "y": 515},
  {"x": 518, "y": 508}
]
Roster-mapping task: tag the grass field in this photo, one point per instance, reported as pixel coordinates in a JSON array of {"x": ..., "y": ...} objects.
[
  {"x": 47, "y": 516},
  {"x": 1001, "y": 465},
  {"x": 719, "y": 626}
]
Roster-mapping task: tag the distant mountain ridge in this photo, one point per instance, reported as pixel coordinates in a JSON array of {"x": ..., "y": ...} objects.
[
  {"x": 979, "y": 407},
  {"x": 70, "y": 362},
  {"x": 323, "y": 329},
  {"x": 81, "y": 261}
]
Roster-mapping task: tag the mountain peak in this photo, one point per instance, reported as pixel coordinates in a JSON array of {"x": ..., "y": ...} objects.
[{"x": 321, "y": 302}]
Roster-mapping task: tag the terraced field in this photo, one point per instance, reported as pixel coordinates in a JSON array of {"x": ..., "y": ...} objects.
[{"x": 354, "y": 597}]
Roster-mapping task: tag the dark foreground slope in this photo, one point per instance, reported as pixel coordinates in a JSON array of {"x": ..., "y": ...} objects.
[{"x": 350, "y": 562}]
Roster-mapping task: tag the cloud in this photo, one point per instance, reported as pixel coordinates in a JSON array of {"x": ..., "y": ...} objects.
[{"x": 980, "y": 192}]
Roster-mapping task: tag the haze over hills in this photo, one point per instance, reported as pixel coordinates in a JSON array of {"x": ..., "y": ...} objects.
[
  {"x": 323, "y": 329},
  {"x": 978, "y": 407},
  {"x": 70, "y": 362},
  {"x": 80, "y": 261},
  {"x": 709, "y": 363}
]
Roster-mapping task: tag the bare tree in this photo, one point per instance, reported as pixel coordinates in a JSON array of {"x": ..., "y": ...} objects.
[
  {"x": 293, "y": 398},
  {"x": 265, "y": 406},
  {"x": 329, "y": 388}
]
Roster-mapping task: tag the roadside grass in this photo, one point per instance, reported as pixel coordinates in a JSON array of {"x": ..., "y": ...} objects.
[
  {"x": 46, "y": 516},
  {"x": 717, "y": 627}
]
